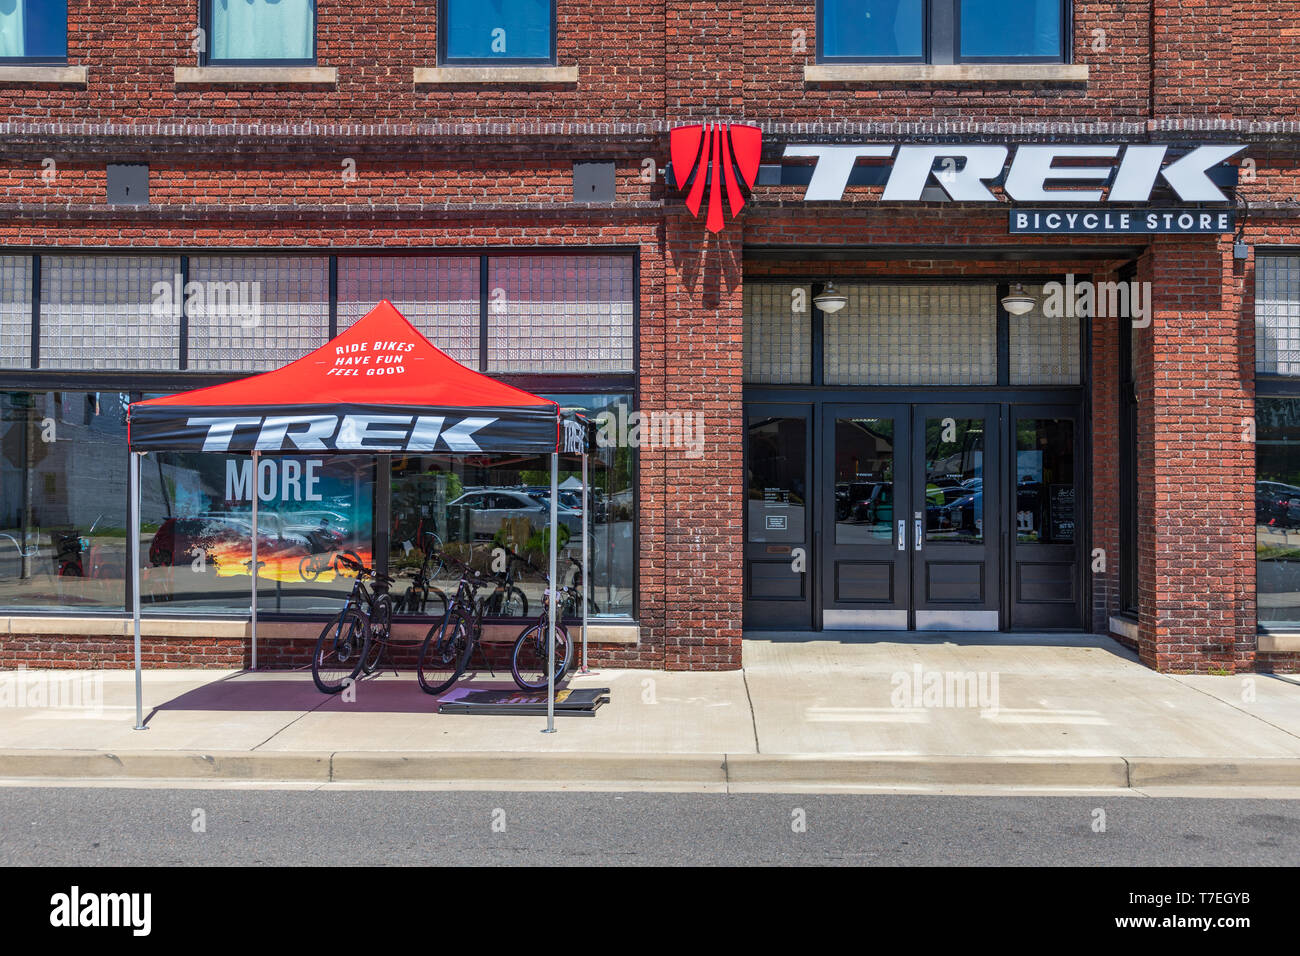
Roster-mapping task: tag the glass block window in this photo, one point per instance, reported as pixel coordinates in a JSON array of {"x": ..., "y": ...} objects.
[
  {"x": 1277, "y": 315},
  {"x": 560, "y": 314},
  {"x": 439, "y": 294},
  {"x": 256, "y": 312},
  {"x": 778, "y": 333},
  {"x": 913, "y": 335},
  {"x": 110, "y": 312},
  {"x": 1044, "y": 350},
  {"x": 15, "y": 311}
]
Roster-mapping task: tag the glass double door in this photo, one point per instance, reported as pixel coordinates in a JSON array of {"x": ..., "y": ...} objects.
[
  {"x": 939, "y": 516},
  {"x": 912, "y": 539}
]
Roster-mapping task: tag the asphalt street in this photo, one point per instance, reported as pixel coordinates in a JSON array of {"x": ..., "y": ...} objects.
[{"x": 81, "y": 827}]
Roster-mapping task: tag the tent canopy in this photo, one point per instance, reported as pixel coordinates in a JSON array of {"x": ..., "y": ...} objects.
[{"x": 377, "y": 387}]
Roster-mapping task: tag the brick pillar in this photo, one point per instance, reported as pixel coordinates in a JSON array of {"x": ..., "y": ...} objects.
[
  {"x": 704, "y": 493},
  {"x": 1195, "y": 464},
  {"x": 703, "y": 496}
]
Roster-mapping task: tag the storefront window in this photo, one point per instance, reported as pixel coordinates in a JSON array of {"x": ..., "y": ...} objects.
[
  {"x": 475, "y": 508},
  {"x": 1277, "y": 509},
  {"x": 63, "y": 473},
  {"x": 196, "y": 517}
]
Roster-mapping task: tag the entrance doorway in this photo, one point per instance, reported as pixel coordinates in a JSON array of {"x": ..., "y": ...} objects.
[{"x": 942, "y": 515}]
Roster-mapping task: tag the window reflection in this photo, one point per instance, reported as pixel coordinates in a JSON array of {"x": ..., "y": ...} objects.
[
  {"x": 493, "y": 512},
  {"x": 864, "y": 480},
  {"x": 62, "y": 499},
  {"x": 1277, "y": 508},
  {"x": 954, "y": 479},
  {"x": 197, "y": 525},
  {"x": 1045, "y": 505}
]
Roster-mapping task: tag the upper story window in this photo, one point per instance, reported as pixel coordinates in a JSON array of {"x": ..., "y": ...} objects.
[
  {"x": 943, "y": 31},
  {"x": 476, "y": 32},
  {"x": 280, "y": 32},
  {"x": 34, "y": 31}
]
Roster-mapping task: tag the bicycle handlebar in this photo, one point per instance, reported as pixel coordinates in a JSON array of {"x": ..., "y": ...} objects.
[{"x": 364, "y": 571}]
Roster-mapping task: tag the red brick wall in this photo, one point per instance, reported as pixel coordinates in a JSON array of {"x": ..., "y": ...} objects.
[{"x": 1195, "y": 465}]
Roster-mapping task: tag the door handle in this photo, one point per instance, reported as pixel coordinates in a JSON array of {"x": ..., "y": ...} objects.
[
  {"x": 918, "y": 534},
  {"x": 902, "y": 534}
]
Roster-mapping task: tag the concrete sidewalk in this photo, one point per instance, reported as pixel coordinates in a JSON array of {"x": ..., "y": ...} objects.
[{"x": 1046, "y": 713}]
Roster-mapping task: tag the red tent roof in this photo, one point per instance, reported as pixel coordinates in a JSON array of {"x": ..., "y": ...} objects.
[{"x": 385, "y": 387}]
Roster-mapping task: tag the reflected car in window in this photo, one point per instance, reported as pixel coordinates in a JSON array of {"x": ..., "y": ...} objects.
[{"x": 488, "y": 510}]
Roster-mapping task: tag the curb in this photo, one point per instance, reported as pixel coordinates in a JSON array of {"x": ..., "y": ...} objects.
[
  {"x": 741, "y": 772},
  {"x": 774, "y": 770}
]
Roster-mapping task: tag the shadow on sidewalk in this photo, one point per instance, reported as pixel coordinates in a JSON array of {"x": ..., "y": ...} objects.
[{"x": 381, "y": 694}]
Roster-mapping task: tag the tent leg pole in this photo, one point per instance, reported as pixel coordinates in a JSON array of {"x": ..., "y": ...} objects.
[
  {"x": 252, "y": 605},
  {"x": 550, "y": 595},
  {"x": 586, "y": 569},
  {"x": 133, "y": 555}
]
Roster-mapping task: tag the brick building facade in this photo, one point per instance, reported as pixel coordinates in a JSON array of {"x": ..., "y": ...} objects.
[{"x": 1119, "y": 492}]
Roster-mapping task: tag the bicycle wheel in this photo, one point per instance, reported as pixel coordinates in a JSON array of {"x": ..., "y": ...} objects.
[
  {"x": 529, "y": 655},
  {"x": 436, "y": 603},
  {"x": 340, "y": 650},
  {"x": 307, "y": 569},
  {"x": 514, "y": 604},
  {"x": 444, "y": 655},
  {"x": 381, "y": 629}
]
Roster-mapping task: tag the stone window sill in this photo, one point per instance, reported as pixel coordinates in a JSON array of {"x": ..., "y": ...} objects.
[
  {"x": 62, "y": 75},
  {"x": 256, "y": 75},
  {"x": 945, "y": 73},
  {"x": 425, "y": 76},
  {"x": 606, "y": 632},
  {"x": 1275, "y": 642}
]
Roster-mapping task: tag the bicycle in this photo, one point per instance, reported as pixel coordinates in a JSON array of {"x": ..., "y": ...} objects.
[
  {"x": 507, "y": 600},
  {"x": 529, "y": 656},
  {"x": 447, "y": 646},
  {"x": 573, "y": 601},
  {"x": 314, "y": 565},
  {"x": 354, "y": 641},
  {"x": 416, "y": 598}
]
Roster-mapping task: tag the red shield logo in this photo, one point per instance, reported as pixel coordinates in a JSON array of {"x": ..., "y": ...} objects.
[{"x": 715, "y": 153}]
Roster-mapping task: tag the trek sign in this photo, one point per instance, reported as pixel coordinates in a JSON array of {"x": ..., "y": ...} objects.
[
  {"x": 1035, "y": 174},
  {"x": 1113, "y": 176}
]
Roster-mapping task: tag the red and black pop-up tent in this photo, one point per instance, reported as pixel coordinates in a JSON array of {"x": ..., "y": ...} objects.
[{"x": 378, "y": 387}]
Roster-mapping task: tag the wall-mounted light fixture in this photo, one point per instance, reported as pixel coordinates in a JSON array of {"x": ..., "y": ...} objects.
[
  {"x": 830, "y": 301},
  {"x": 1018, "y": 301}
]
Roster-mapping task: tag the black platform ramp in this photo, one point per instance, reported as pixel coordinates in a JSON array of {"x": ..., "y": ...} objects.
[{"x": 504, "y": 702}]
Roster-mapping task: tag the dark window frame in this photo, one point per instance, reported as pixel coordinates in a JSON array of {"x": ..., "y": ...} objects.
[
  {"x": 206, "y": 58},
  {"x": 445, "y": 60},
  {"x": 941, "y": 39},
  {"x": 1128, "y": 454},
  {"x": 41, "y": 60},
  {"x": 1270, "y": 386}
]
